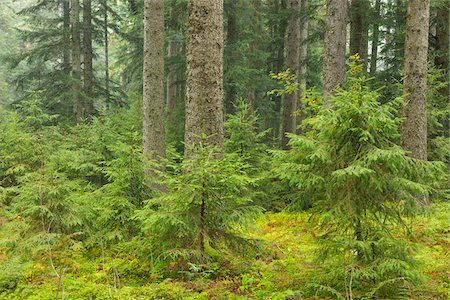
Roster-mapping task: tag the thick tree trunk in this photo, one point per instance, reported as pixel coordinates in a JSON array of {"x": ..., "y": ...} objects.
[
  {"x": 375, "y": 38},
  {"x": 414, "y": 131},
  {"x": 153, "y": 121},
  {"x": 76, "y": 60},
  {"x": 289, "y": 123},
  {"x": 204, "y": 91},
  {"x": 88, "y": 73},
  {"x": 442, "y": 44},
  {"x": 335, "y": 46}
]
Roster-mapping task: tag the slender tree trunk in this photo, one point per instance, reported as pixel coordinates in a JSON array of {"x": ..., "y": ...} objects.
[
  {"x": 76, "y": 60},
  {"x": 154, "y": 142},
  {"x": 359, "y": 29},
  {"x": 335, "y": 46},
  {"x": 254, "y": 63},
  {"x": 204, "y": 91},
  {"x": 88, "y": 72},
  {"x": 173, "y": 81},
  {"x": 375, "y": 38},
  {"x": 414, "y": 131},
  {"x": 292, "y": 62},
  {"x": 442, "y": 44},
  {"x": 66, "y": 35},
  {"x": 106, "y": 39},
  {"x": 303, "y": 56},
  {"x": 232, "y": 54}
]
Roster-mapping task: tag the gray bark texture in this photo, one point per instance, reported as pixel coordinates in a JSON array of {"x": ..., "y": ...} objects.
[
  {"x": 76, "y": 59},
  {"x": 88, "y": 73},
  {"x": 335, "y": 46},
  {"x": 414, "y": 130},
  {"x": 204, "y": 87},
  {"x": 153, "y": 121},
  {"x": 292, "y": 62}
]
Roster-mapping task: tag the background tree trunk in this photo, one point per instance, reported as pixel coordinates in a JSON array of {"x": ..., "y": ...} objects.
[
  {"x": 442, "y": 43},
  {"x": 303, "y": 55},
  {"x": 335, "y": 46},
  {"x": 359, "y": 28},
  {"x": 153, "y": 122},
  {"x": 375, "y": 38},
  {"x": 76, "y": 59},
  {"x": 231, "y": 53},
  {"x": 204, "y": 90},
  {"x": 292, "y": 62},
  {"x": 414, "y": 131},
  {"x": 66, "y": 35},
  {"x": 88, "y": 73},
  {"x": 173, "y": 81}
]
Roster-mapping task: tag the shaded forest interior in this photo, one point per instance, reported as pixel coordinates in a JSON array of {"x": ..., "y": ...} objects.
[{"x": 224, "y": 149}]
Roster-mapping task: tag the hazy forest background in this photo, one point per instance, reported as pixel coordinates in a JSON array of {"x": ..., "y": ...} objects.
[{"x": 236, "y": 149}]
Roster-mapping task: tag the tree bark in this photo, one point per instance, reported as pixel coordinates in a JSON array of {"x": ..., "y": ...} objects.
[
  {"x": 442, "y": 44},
  {"x": 204, "y": 90},
  {"x": 375, "y": 38},
  {"x": 106, "y": 50},
  {"x": 335, "y": 46},
  {"x": 359, "y": 29},
  {"x": 66, "y": 35},
  {"x": 292, "y": 62},
  {"x": 231, "y": 54},
  {"x": 173, "y": 92},
  {"x": 153, "y": 121},
  {"x": 303, "y": 55},
  {"x": 414, "y": 131},
  {"x": 88, "y": 73},
  {"x": 76, "y": 60}
]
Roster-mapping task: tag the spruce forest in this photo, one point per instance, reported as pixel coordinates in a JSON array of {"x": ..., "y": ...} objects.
[{"x": 224, "y": 149}]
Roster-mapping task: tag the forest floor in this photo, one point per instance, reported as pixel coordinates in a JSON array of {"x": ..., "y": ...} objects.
[{"x": 285, "y": 269}]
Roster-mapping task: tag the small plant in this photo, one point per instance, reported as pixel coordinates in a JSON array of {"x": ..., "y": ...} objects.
[{"x": 204, "y": 207}]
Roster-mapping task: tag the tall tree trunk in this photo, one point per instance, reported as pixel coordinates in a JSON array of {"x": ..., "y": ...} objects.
[
  {"x": 254, "y": 62},
  {"x": 375, "y": 38},
  {"x": 359, "y": 29},
  {"x": 76, "y": 59},
  {"x": 173, "y": 81},
  {"x": 88, "y": 73},
  {"x": 154, "y": 142},
  {"x": 292, "y": 62},
  {"x": 66, "y": 35},
  {"x": 414, "y": 131},
  {"x": 335, "y": 46},
  {"x": 303, "y": 55},
  {"x": 106, "y": 40},
  {"x": 231, "y": 53},
  {"x": 204, "y": 90},
  {"x": 442, "y": 43}
]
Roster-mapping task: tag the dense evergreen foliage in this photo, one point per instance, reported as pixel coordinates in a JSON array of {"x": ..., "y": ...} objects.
[{"x": 340, "y": 205}]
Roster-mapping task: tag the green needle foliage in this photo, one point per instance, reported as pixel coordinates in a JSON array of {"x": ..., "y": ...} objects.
[
  {"x": 204, "y": 207},
  {"x": 361, "y": 183}
]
